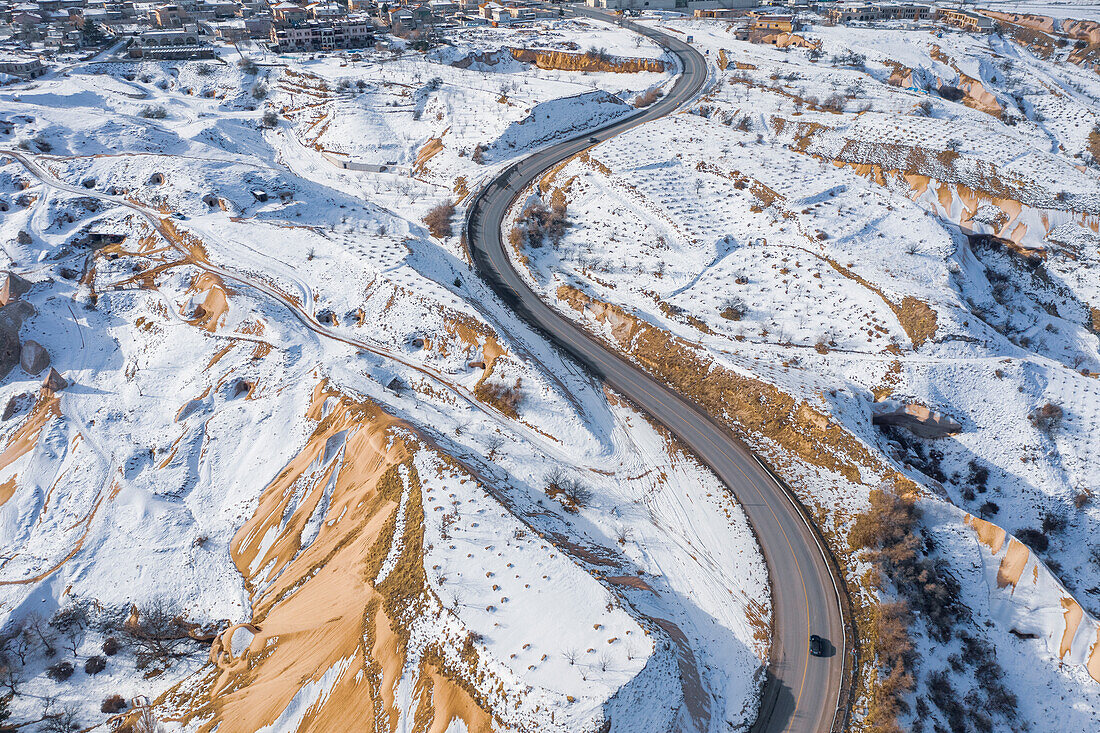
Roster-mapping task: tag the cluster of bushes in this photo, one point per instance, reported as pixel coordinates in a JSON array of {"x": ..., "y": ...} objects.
[
  {"x": 888, "y": 536},
  {"x": 438, "y": 219},
  {"x": 505, "y": 398},
  {"x": 651, "y": 96},
  {"x": 888, "y": 533},
  {"x": 154, "y": 113},
  {"x": 156, "y": 634},
  {"x": 567, "y": 489},
  {"x": 537, "y": 223},
  {"x": 979, "y": 705},
  {"x": 850, "y": 58},
  {"x": 598, "y": 54},
  {"x": 733, "y": 309},
  {"x": 1047, "y": 418}
]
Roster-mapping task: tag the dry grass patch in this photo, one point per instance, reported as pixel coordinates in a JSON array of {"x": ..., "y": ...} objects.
[
  {"x": 591, "y": 60},
  {"x": 439, "y": 218},
  {"x": 752, "y": 407}
]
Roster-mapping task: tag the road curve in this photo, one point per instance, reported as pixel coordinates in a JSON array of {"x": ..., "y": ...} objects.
[{"x": 802, "y": 693}]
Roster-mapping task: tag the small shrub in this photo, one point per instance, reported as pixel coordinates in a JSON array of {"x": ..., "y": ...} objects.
[
  {"x": 22, "y": 237},
  {"x": 260, "y": 91},
  {"x": 438, "y": 219},
  {"x": 247, "y": 65},
  {"x": 60, "y": 671},
  {"x": 204, "y": 70},
  {"x": 95, "y": 665},
  {"x": 479, "y": 154},
  {"x": 734, "y": 309},
  {"x": 1046, "y": 418},
  {"x": 154, "y": 113},
  {"x": 651, "y": 96},
  {"x": 1033, "y": 538},
  {"x": 1053, "y": 523},
  {"x": 269, "y": 119},
  {"x": 979, "y": 475},
  {"x": 110, "y": 646},
  {"x": 951, "y": 93},
  {"x": 113, "y": 704},
  {"x": 988, "y": 508}
]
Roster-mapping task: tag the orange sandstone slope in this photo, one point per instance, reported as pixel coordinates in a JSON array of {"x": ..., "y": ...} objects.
[
  {"x": 325, "y": 622},
  {"x": 347, "y": 632}
]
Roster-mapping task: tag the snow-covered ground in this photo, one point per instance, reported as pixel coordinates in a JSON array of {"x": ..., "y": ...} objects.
[
  {"x": 1068, "y": 9},
  {"x": 297, "y": 421},
  {"x": 801, "y": 227}
]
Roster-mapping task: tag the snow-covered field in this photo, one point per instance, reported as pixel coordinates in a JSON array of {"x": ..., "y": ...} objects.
[
  {"x": 304, "y": 444},
  {"x": 802, "y": 226},
  {"x": 1068, "y": 9}
]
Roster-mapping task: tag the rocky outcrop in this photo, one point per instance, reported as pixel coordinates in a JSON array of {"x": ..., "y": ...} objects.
[
  {"x": 918, "y": 419},
  {"x": 33, "y": 357},
  {"x": 12, "y": 287},
  {"x": 54, "y": 382},
  {"x": 18, "y": 404},
  {"x": 9, "y": 350},
  {"x": 12, "y": 315}
]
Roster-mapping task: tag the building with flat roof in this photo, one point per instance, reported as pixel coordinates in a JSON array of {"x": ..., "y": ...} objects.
[
  {"x": 18, "y": 65},
  {"x": 968, "y": 20},
  {"x": 324, "y": 35},
  {"x": 863, "y": 12}
]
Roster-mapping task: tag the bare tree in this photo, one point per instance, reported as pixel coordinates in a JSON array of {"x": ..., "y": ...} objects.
[
  {"x": 147, "y": 722},
  {"x": 41, "y": 630},
  {"x": 11, "y": 678},
  {"x": 158, "y": 634},
  {"x": 67, "y": 720},
  {"x": 70, "y": 623},
  {"x": 15, "y": 643},
  {"x": 494, "y": 443},
  {"x": 575, "y": 492}
]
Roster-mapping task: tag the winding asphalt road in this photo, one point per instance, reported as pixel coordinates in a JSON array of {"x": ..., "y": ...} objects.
[{"x": 802, "y": 692}]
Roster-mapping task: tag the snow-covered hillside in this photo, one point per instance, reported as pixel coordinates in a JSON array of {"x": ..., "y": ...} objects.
[
  {"x": 304, "y": 471},
  {"x": 858, "y": 222}
]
